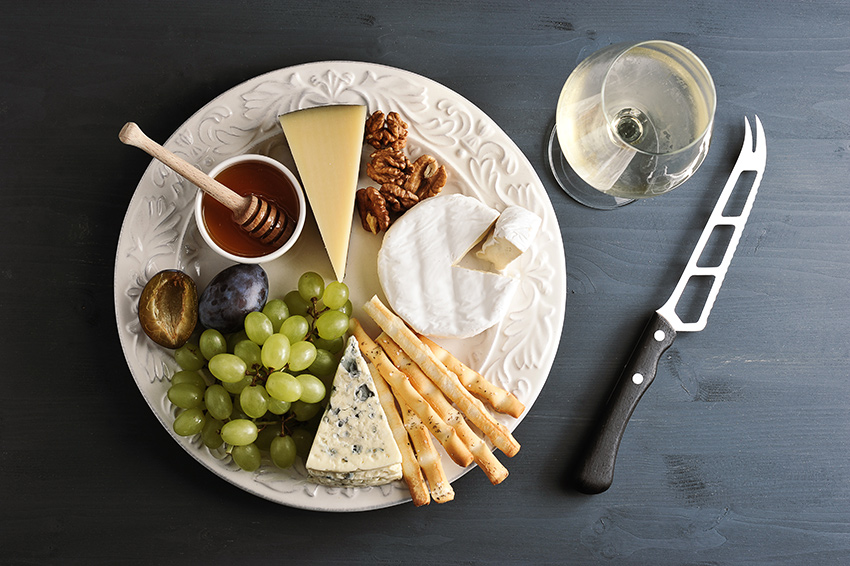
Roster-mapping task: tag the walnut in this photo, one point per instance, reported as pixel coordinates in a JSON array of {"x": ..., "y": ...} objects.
[
  {"x": 398, "y": 198},
  {"x": 426, "y": 179},
  {"x": 389, "y": 133},
  {"x": 373, "y": 210},
  {"x": 388, "y": 166},
  {"x": 402, "y": 183}
]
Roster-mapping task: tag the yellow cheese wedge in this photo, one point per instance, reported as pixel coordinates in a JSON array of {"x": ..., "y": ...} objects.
[{"x": 327, "y": 143}]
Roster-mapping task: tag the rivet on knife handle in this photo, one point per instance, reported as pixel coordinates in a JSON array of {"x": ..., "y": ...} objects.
[{"x": 597, "y": 468}]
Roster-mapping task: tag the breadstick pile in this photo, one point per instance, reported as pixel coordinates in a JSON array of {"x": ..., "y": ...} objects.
[{"x": 426, "y": 392}]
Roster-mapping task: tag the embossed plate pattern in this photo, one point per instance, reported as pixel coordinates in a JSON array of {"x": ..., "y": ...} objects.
[{"x": 159, "y": 233}]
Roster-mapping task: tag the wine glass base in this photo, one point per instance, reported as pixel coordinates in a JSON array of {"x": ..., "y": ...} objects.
[{"x": 574, "y": 185}]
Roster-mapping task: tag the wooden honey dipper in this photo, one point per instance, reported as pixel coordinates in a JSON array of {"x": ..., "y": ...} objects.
[{"x": 260, "y": 218}]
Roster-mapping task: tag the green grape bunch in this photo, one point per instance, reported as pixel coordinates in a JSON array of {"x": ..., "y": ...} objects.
[{"x": 261, "y": 390}]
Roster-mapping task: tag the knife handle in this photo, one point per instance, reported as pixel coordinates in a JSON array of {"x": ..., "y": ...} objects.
[{"x": 596, "y": 470}]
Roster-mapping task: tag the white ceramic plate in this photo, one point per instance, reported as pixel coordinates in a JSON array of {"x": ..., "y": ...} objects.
[{"x": 159, "y": 233}]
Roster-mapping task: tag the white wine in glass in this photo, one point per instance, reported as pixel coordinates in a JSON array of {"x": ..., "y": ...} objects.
[{"x": 633, "y": 121}]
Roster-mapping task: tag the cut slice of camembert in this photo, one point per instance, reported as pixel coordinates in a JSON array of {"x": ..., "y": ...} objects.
[
  {"x": 512, "y": 235},
  {"x": 326, "y": 144},
  {"x": 354, "y": 445},
  {"x": 419, "y": 272}
]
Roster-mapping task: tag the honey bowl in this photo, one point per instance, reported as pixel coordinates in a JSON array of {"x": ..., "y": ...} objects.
[{"x": 250, "y": 174}]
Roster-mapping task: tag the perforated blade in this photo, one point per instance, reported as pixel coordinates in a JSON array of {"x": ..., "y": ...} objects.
[{"x": 752, "y": 158}]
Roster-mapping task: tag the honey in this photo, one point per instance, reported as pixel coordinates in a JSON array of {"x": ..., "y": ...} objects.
[{"x": 248, "y": 178}]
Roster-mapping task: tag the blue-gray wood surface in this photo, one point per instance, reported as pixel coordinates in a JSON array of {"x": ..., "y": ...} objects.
[{"x": 738, "y": 454}]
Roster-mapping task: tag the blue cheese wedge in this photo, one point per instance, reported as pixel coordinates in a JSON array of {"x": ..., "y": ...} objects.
[{"x": 354, "y": 445}]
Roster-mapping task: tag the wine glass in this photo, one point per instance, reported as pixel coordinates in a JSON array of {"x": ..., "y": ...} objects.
[{"x": 633, "y": 121}]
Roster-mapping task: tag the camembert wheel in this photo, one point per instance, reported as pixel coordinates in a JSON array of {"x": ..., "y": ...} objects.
[{"x": 419, "y": 272}]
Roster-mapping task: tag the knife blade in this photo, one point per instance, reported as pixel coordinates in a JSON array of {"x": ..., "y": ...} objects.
[{"x": 595, "y": 473}]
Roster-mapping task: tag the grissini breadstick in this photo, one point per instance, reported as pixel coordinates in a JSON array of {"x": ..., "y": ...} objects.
[
  {"x": 501, "y": 400},
  {"x": 410, "y": 469},
  {"x": 403, "y": 390},
  {"x": 429, "y": 460},
  {"x": 483, "y": 456},
  {"x": 442, "y": 377}
]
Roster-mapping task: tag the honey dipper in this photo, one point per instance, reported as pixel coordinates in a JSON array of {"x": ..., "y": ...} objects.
[{"x": 260, "y": 218}]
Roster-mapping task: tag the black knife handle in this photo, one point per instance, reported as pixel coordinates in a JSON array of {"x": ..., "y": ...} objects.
[{"x": 596, "y": 470}]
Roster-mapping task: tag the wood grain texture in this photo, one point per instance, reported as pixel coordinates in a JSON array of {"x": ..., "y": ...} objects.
[{"x": 737, "y": 454}]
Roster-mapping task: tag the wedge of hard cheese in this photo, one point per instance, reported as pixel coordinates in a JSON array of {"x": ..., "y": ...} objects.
[
  {"x": 354, "y": 445},
  {"x": 326, "y": 144}
]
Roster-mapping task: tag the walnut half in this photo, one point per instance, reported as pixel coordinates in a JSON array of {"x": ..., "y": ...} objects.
[
  {"x": 383, "y": 133},
  {"x": 426, "y": 178},
  {"x": 372, "y": 206},
  {"x": 397, "y": 197},
  {"x": 388, "y": 166}
]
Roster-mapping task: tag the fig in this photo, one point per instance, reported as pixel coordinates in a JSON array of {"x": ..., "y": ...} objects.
[
  {"x": 168, "y": 308},
  {"x": 231, "y": 295}
]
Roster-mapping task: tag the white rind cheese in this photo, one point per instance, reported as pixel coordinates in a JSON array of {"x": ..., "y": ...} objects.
[
  {"x": 513, "y": 234},
  {"x": 418, "y": 271},
  {"x": 327, "y": 144},
  {"x": 354, "y": 445}
]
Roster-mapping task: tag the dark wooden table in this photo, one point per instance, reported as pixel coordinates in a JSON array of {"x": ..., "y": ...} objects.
[{"x": 738, "y": 454}]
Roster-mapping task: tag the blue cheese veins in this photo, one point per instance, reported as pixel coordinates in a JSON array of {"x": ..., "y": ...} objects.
[{"x": 354, "y": 445}]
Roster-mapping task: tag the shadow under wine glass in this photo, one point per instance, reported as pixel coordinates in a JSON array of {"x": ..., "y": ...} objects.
[{"x": 633, "y": 121}]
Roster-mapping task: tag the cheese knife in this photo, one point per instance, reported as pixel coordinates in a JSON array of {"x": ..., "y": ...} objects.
[{"x": 596, "y": 470}]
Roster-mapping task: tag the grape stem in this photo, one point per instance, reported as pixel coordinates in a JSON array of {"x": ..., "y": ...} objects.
[
  {"x": 314, "y": 313},
  {"x": 259, "y": 374},
  {"x": 284, "y": 431}
]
